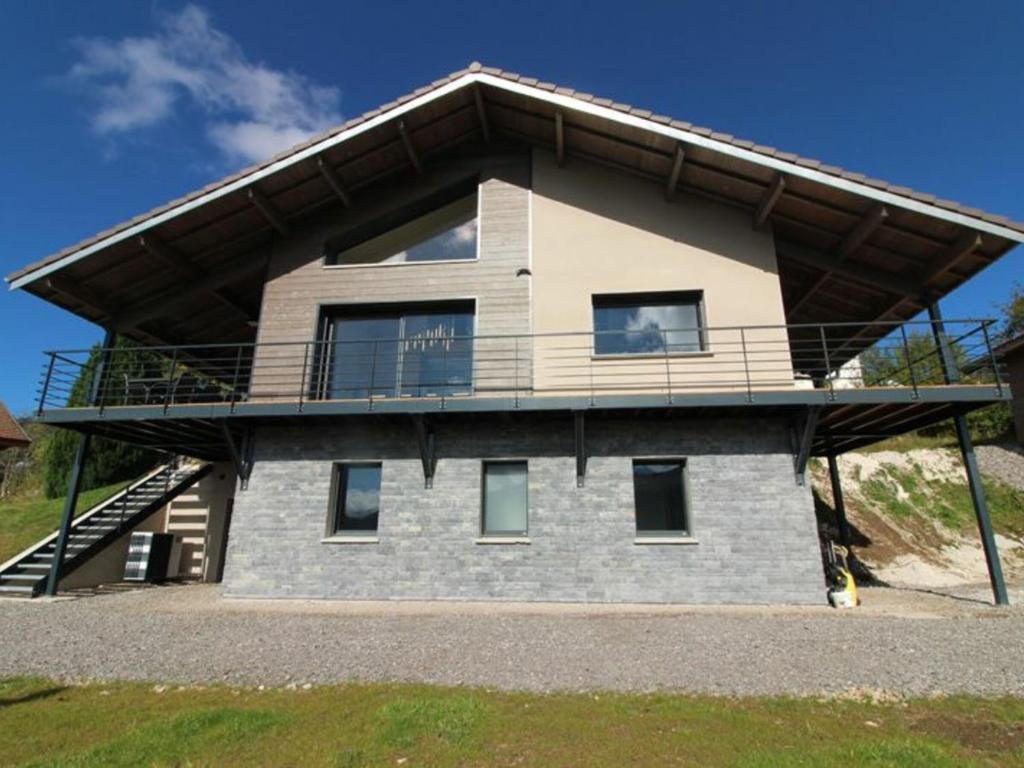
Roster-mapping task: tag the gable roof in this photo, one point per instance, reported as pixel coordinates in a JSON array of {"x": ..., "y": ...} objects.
[
  {"x": 844, "y": 240},
  {"x": 11, "y": 433}
]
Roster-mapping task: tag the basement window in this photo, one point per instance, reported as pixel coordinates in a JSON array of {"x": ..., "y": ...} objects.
[
  {"x": 660, "y": 497},
  {"x": 649, "y": 323},
  {"x": 355, "y": 500},
  {"x": 505, "y": 498},
  {"x": 441, "y": 227}
]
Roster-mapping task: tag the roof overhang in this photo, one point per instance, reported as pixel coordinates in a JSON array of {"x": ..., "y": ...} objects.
[
  {"x": 1010, "y": 348},
  {"x": 850, "y": 248}
]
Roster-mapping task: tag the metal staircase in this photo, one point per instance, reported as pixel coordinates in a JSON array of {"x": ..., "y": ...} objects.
[{"x": 25, "y": 574}]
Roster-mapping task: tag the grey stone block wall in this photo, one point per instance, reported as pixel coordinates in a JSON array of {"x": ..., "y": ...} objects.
[{"x": 755, "y": 528}]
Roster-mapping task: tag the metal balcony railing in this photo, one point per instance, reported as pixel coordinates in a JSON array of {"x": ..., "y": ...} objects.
[{"x": 663, "y": 362}]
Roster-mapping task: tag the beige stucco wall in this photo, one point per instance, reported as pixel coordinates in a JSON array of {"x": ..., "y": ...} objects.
[
  {"x": 107, "y": 567},
  {"x": 595, "y": 230}
]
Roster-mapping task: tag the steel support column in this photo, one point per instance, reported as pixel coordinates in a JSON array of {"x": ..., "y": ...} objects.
[
  {"x": 804, "y": 442},
  {"x": 75, "y": 480},
  {"x": 241, "y": 458},
  {"x": 427, "y": 444},
  {"x": 580, "y": 445},
  {"x": 963, "y": 436},
  {"x": 838, "y": 502}
]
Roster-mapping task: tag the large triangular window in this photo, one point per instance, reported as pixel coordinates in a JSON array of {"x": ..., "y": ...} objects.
[{"x": 447, "y": 232}]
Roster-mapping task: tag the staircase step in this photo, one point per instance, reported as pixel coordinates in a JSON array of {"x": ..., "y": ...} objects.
[
  {"x": 12, "y": 590},
  {"x": 29, "y": 577}
]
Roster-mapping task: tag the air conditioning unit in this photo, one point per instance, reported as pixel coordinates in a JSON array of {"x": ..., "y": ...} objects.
[{"x": 148, "y": 557}]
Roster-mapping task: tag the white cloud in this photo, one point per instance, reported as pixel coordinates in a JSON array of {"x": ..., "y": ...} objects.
[
  {"x": 361, "y": 503},
  {"x": 252, "y": 111},
  {"x": 650, "y": 328},
  {"x": 465, "y": 233}
]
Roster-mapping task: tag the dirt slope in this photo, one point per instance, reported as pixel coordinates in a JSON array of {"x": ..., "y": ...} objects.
[{"x": 912, "y": 519}]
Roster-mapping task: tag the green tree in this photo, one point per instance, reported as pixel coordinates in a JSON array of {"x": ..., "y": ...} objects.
[
  {"x": 108, "y": 461},
  {"x": 1012, "y": 311},
  {"x": 891, "y": 363}
]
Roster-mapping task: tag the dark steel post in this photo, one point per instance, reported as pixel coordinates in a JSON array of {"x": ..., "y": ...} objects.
[
  {"x": 444, "y": 372},
  {"x": 373, "y": 374},
  {"x": 838, "y": 502},
  {"x": 910, "y": 361},
  {"x": 302, "y": 378},
  {"x": 988, "y": 541},
  {"x": 515, "y": 366},
  {"x": 46, "y": 384},
  {"x": 95, "y": 390},
  {"x": 950, "y": 372},
  {"x": 171, "y": 386},
  {"x": 234, "y": 381},
  {"x": 963, "y": 436},
  {"x": 75, "y": 481},
  {"x": 992, "y": 358},
  {"x": 668, "y": 366},
  {"x": 70, "y": 502},
  {"x": 590, "y": 363},
  {"x": 746, "y": 364},
  {"x": 828, "y": 363}
]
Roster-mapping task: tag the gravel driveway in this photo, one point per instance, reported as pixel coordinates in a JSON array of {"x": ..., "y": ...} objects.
[
  {"x": 1003, "y": 462},
  {"x": 905, "y": 642}
]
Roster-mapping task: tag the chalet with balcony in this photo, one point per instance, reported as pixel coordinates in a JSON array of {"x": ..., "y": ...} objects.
[{"x": 500, "y": 340}]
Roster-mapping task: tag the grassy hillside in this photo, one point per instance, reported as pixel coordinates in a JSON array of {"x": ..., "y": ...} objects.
[
  {"x": 25, "y": 520},
  {"x": 905, "y": 493}
]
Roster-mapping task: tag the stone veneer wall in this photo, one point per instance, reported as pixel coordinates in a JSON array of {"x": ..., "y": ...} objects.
[{"x": 754, "y": 526}]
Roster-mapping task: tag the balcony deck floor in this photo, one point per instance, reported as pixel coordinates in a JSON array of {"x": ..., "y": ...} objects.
[{"x": 848, "y": 418}]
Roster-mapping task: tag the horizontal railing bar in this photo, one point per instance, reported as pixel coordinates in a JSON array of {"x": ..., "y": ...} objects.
[
  {"x": 733, "y": 358},
  {"x": 689, "y": 329}
]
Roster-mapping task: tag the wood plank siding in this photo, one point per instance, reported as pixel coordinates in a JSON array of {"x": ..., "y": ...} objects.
[{"x": 299, "y": 285}]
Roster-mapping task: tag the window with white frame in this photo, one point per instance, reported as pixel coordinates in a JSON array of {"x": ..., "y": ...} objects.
[
  {"x": 442, "y": 227},
  {"x": 660, "y": 497},
  {"x": 505, "y": 498},
  {"x": 355, "y": 499},
  {"x": 648, "y": 323}
]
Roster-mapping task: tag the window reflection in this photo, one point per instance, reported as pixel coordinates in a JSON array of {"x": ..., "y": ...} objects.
[
  {"x": 414, "y": 353},
  {"x": 639, "y": 325}
]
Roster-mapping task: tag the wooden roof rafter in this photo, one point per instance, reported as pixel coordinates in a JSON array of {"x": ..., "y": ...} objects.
[{"x": 818, "y": 206}]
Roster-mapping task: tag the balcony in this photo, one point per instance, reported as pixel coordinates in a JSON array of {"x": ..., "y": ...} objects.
[{"x": 718, "y": 367}]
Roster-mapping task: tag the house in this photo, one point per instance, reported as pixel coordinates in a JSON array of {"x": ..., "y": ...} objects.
[
  {"x": 500, "y": 340},
  {"x": 1011, "y": 354},
  {"x": 12, "y": 434}
]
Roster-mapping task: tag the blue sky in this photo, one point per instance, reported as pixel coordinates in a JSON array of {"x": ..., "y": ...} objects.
[{"x": 111, "y": 108}]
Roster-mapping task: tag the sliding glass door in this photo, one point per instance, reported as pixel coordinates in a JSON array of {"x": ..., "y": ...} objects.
[{"x": 417, "y": 352}]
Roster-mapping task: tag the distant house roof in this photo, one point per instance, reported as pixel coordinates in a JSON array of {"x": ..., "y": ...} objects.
[
  {"x": 1009, "y": 347},
  {"x": 11, "y": 433},
  {"x": 851, "y": 249}
]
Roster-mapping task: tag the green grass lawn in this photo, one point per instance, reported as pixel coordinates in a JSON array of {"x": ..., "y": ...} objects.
[
  {"x": 24, "y": 521},
  {"x": 44, "y": 723}
]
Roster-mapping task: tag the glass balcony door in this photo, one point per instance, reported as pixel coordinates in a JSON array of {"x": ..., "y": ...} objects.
[{"x": 412, "y": 353}]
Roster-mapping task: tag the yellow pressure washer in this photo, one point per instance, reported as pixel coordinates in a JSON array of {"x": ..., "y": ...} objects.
[{"x": 842, "y": 589}]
